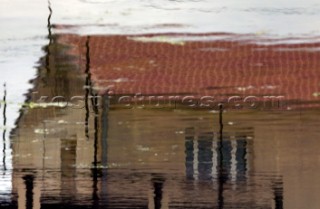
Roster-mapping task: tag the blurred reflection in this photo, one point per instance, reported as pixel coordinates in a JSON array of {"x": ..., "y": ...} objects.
[
  {"x": 223, "y": 157},
  {"x": 88, "y": 87},
  {"x": 105, "y": 156},
  {"x": 29, "y": 181},
  {"x": 199, "y": 157},
  {"x": 158, "y": 191},
  {"x": 4, "y": 128},
  {"x": 278, "y": 194},
  {"x": 92, "y": 154},
  {"x": 222, "y": 172},
  {"x": 78, "y": 146},
  {"x": 68, "y": 170},
  {"x": 48, "y": 47},
  {"x": 205, "y": 156}
]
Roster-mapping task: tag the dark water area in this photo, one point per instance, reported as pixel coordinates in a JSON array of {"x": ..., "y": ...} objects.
[{"x": 76, "y": 144}]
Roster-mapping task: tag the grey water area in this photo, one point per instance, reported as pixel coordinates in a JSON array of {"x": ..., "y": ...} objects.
[{"x": 103, "y": 156}]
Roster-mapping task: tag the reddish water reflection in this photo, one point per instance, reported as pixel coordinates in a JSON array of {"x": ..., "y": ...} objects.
[{"x": 99, "y": 152}]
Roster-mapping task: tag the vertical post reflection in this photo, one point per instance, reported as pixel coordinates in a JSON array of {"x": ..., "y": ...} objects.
[
  {"x": 221, "y": 177},
  {"x": 96, "y": 128},
  {"x": 95, "y": 170},
  {"x": 49, "y": 22},
  {"x": 104, "y": 126},
  {"x": 29, "y": 181},
  {"x": 48, "y": 52},
  {"x": 4, "y": 127},
  {"x": 158, "y": 192},
  {"x": 87, "y": 87},
  {"x": 94, "y": 102},
  {"x": 278, "y": 194}
]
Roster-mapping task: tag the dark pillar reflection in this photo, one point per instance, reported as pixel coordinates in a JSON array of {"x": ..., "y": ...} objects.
[
  {"x": 104, "y": 126},
  {"x": 95, "y": 170},
  {"x": 278, "y": 194},
  {"x": 221, "y": 173},
  {"x": 157, "y": 186},
  {"x": 87, "y": 87},
  {"x": 29, "y": 183},
  {"x": 94, "y": 101},
  {"x": 4, "y": 127},
  {"x": 49, "y": 22},
  {"x": 90, "y": 95},
  {"x": 95, "y": 190},
  {"x": 48, "y": 47}
]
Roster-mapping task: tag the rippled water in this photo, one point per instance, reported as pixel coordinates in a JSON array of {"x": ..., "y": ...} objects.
[{"x": 86, "y": 149}]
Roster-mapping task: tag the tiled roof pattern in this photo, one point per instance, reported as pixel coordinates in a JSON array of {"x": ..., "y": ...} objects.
[{"x": 201, "y": 68}]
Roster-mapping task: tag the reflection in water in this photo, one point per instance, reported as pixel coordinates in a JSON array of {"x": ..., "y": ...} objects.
[
  {"x": 4, "y": 128},
  {"x": 221, "y": 160},
  {"x": 278, "y": 194},
  {"x": 29, "y": 184},
  {"x": 89, "y": 95},
  {"x": 47, "y": 48},
  {"x": 104, "y": 130},
  {"x": 127, "y": 17},
  {"x": 6, "y": 166},
  {"x": 97, "y": 154},
  {"x": 68, "y": 171},
  {"x": 100, "y": 155},
  {"x": 103, "y": 156},
  {"x": 158, "y": 187},
  {"x": 87, "y": 87}
]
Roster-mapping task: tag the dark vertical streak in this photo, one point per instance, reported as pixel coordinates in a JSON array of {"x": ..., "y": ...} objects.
[
  {"x": 87, "y": 87},
  {"x": 95, "y": 170},
  {"x": 28, "y": 181},
  {"x": 48, "y": 70},
  {"x": 221, "y": 178},
  {"x": 157, "y": 186},
  {"x": 95, "y": 197},
  {"x": 49, "y": 19},
  {"x": 104, "y": 136},
  {"x": 4, "y": 127},
  {"x": 48, "y": 52},
  {"x": 94, "y": 101},
  {"x": 278, "y": 195}
]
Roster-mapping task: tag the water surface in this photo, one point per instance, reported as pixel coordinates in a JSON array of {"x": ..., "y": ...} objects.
[{"x": 87, "y": 150}]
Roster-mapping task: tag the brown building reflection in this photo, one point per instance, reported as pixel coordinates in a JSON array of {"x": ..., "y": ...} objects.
[
  {"x": 88, "y": 154},
  {"x": 53, "y": 138}
]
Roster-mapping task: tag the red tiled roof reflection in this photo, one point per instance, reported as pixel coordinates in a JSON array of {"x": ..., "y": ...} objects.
[{"x": 202, "y": 65}]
